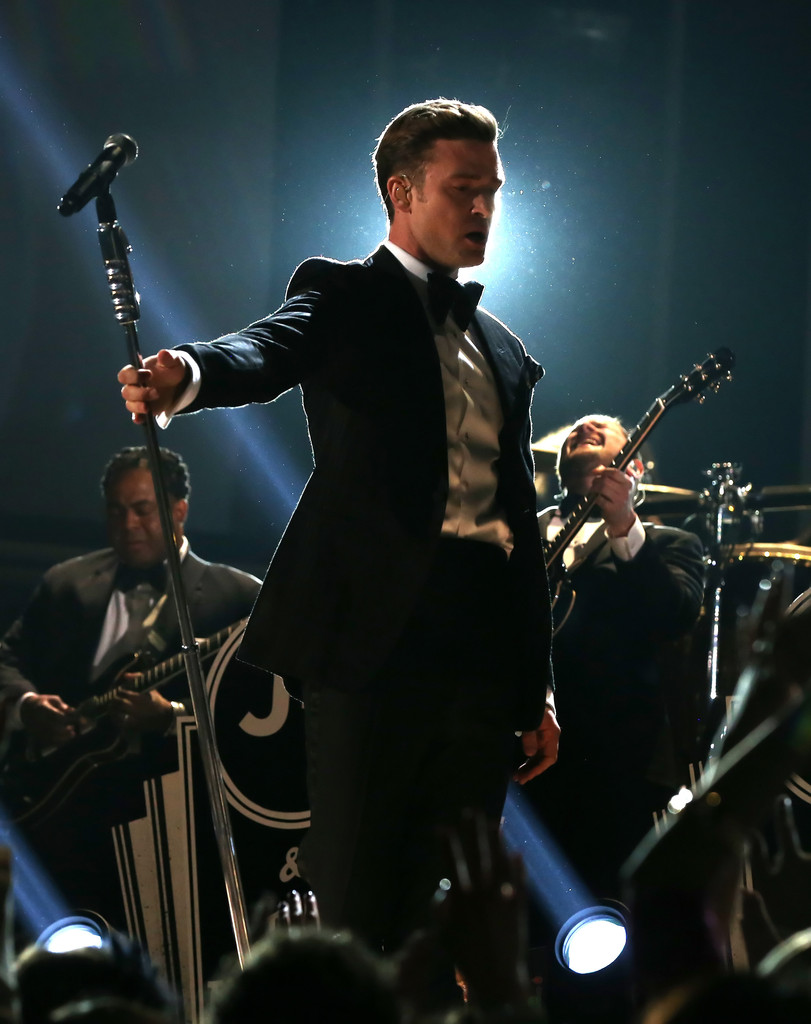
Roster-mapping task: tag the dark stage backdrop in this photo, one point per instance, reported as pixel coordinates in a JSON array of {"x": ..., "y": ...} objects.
[{"x": 657, "y": 206}]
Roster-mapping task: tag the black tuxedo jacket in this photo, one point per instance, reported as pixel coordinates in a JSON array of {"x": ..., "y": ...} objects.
[
  {"x": 50, "y": 647},
  {"x": 361, "y": 541}
]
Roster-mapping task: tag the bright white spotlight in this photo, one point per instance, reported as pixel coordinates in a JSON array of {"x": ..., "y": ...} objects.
[
  {"x": 77, "y": 932},
  {"x": 591, "y": 940}
]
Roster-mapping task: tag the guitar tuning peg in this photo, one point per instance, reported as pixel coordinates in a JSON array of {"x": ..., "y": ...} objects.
[
  {"x": 701, "y": 398},
  {"x": 715, "y": 387}
]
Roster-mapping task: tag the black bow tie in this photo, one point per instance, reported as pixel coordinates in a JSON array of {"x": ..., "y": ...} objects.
[
  {"x": 127, "y": 577},
  {"x": 446, "y": 295}
]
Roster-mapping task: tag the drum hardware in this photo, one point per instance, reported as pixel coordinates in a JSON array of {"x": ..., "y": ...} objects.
[
  {"x": 729, "y": 516},
  {"x": 782, "y": 498},
  {"x": 663, "y": 501},
  {"x": 724, "y": 500},
  {"x": 733, "y": 517},
  {"x": 725, "y": 503},
  {"x": 678, "y": 502}
]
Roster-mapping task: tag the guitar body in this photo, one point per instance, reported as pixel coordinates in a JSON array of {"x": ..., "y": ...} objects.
[
  {"x": 32, "y": 787},
  {"x": 563, "y": 598},
  {"x": 34, "y": 783}
]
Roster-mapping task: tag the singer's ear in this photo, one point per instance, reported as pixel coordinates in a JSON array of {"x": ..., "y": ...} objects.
[{"x": 399, "y": 192}]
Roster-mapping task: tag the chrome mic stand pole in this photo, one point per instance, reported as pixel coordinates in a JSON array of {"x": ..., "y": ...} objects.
[{"x": 114, "y": 249}]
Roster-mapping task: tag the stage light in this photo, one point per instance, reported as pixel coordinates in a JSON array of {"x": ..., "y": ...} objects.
[
  {"x": 79, "y": 931},
  {"x": 591, "y": 940},
  {"x": 581, "y": 985},
  {"x": 588, "y": 973}
]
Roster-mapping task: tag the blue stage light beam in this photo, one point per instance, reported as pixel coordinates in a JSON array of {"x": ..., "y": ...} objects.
[
  {"x": 36, "y": 899},
  {"x": 552, "y": 881},
  {"x": 175, "y": 318}
]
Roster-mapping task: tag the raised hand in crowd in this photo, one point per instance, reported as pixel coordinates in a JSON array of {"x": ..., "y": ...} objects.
[
  {"x": 682, "y": 884},
  {"x": 480, "y": 925},
  {"x": 483, "y": 917},
  {"x": 299, "y": 910},
  {"x": 777, "y": 903}
]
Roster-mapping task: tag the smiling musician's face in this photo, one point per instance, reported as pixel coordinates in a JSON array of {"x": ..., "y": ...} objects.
[{"x": 593, "y": 441}]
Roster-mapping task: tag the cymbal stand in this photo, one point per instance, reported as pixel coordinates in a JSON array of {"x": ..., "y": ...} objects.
[{"x": 725, "y": 501}]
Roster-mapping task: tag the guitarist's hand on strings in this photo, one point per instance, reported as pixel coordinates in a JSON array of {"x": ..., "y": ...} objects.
[
  {"x": 141, "y": 712},
  {"x": 615, "y": 490},
  {"x": 48, "y": 720}
]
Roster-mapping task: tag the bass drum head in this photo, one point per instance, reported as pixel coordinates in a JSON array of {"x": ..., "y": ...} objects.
[
  {"x": 686, "y": 668},
  {"x": 800, "y": 786},
  {"x": 745, "y": 565},
  {"x": 260, "y": 737}
]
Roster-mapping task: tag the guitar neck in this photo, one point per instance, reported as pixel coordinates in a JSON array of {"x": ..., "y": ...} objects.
[
  {"x": 142, "y": 682},
  {"x": 580, "y": 513}
]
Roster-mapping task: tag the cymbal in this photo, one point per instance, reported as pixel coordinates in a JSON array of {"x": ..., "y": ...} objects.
[
  {"x": 782, "y": 498},
  {"x": 661, "y": 500},
  {"x": 786, "y": 552},
  {"x": 544, "y": 461},
  {"x": 545, "y": 449}
]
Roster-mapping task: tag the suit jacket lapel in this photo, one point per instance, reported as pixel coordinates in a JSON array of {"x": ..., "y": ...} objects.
[
  {"x": 411, "y": 352},
  {"x": 167, "y": 626},
  {"x": 516, "y": 373},
  {"x": 95, "y": 590}
]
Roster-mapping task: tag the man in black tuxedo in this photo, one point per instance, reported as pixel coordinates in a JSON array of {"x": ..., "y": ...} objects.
[
  {"x": 87, "y": 617},
  {"x": 637, "y": 587},
  {"x": 407, "y": 601}
]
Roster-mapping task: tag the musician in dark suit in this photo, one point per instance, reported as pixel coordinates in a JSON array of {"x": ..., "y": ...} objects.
[
  {"x": 637, "y": 587},
  {"x": 407, "y": 600},
  {"x": 89, "y": 613},
  {"x": 86, "y": 618}
]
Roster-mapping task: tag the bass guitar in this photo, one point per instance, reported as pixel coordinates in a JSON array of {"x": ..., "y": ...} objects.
[
  {"x": 715, "y": 368},
  {"x": 35, "y": 783}
]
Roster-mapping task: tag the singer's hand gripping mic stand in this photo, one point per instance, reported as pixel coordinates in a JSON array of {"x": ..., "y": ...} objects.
[{"x": 114, "y": 249}]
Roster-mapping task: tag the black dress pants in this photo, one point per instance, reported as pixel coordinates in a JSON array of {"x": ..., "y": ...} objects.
[{"x": 388, "y": 765}]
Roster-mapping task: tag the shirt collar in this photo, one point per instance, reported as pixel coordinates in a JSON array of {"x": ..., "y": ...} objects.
[{"x": 411, "y": 263}]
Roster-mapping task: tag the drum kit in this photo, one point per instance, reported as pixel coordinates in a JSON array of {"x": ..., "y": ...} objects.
[{"x": 730, "y": 517}]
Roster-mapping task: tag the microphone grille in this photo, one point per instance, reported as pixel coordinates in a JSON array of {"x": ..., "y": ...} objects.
[{"x": 126, "y": 144}]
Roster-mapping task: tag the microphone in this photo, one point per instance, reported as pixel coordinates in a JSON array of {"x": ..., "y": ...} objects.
[{"x": 119, "y": 150}]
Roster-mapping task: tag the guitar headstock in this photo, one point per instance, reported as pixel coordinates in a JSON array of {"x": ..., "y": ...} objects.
[{"x": 716, "y": 368}]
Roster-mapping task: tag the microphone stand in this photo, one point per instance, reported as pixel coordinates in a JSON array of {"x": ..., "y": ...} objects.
[{"x": 114, "y": 249}]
